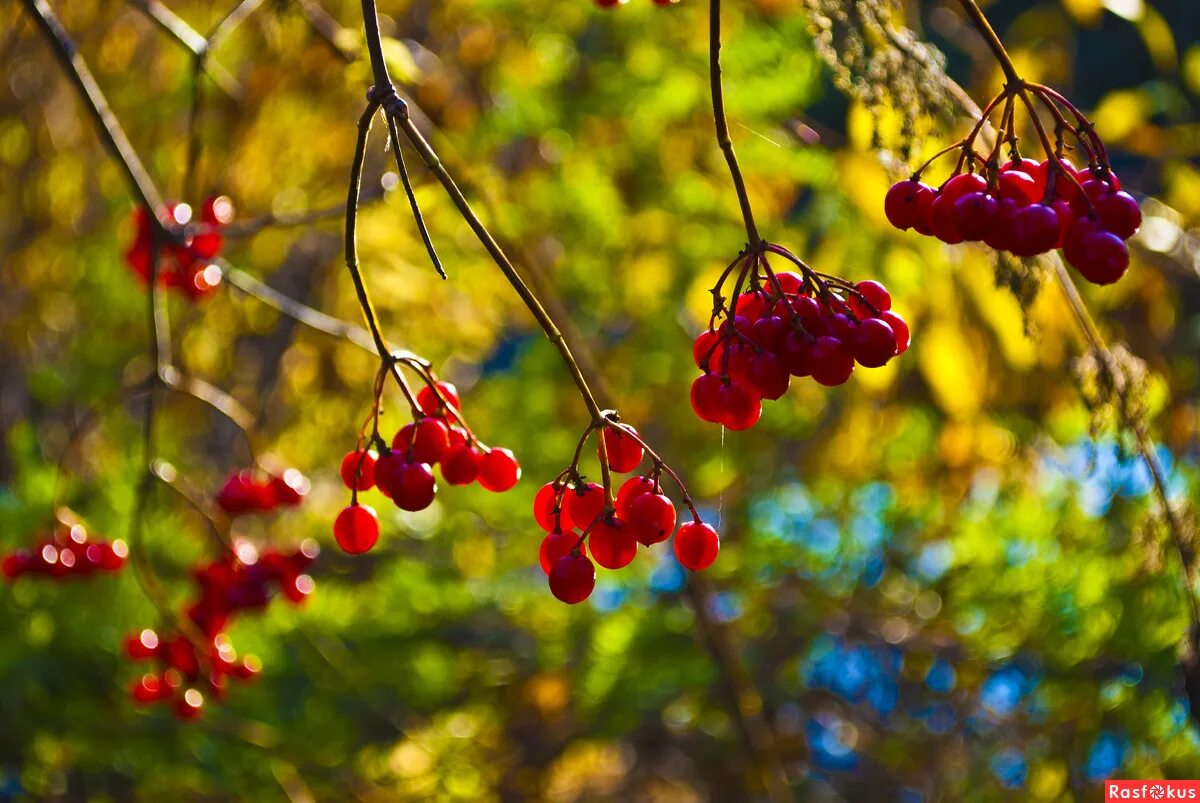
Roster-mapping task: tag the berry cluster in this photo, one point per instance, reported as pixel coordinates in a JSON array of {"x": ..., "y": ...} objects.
[
  {"x": 402, "y": 470},
  {"x": 783, "y": 325},
  {"x": 1024, "y": 206},
  {"x": 610, "y": 530},
  {"x": 69, "y": 557},
  {"x": 244, "y": 492},
  {"x": 184, "y": 261},
  {"x": 200, "y": 655}
]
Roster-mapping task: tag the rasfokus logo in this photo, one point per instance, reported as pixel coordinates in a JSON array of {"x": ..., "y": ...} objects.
[{"x": 1151, "y": 790}]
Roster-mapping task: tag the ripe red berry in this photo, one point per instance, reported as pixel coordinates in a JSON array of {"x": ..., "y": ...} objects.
[
  {"x": 900, "y": 328},
  {"x": 429, "y": 402},
  {"x": 705, "y": 350},
  {"x": 1035, "y": 230},
  {"x": 461, "y": 465},
  {"x": 413, "y": 486},
  {"x": 767, "y": 375},
  {"x": 624, "y": 451},
  {"x": 975, "y": 214},
  {"x": 999, "y": 234},
  {"x": 190, "y": 705},
  {"x": 499, "y": 470},
  {"x": 832, "y": 362},
  {"x": 572, "y": 578},
  {"x": 1101, "y": 257},
  {"x": 1119, "y": 213},
  {"x": 584, "y": 503},
  {"x": 943, "y": 221},
  {"x": 612, "y": 543},
  {"x": 424, "y": 441},
  {"x": 556, "y": 545},
  {"x": 1018, "y": 186},
  {"x": 356, "y": 529},
  {"x": 874, "y": 344},
  {"x": 769, "y": 332},
  {"x": 706, "y": 397},
  {"x": 790, "y": 282},
  {"x": 17, "y": 564},
  {"x": 148, "y": 689},
  {"x": 696, "y": 545},
  {"x": 358, "y": 470},
  {"x": 543, "y": 509},
  {"x": 143, "y": 645},
  {"x": 630, "y": 490},
  {"x": 875, "y": 294},
  {"x": 651, "y": 518},
  {"x": 740, "y": 407},
  {"x": 907, "y": 203},
  {"x": 958, "y": 186},
  {"x": 386, "y": 467}
]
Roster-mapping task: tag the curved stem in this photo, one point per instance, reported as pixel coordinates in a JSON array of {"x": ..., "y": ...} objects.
[
  {"x": 993, "y": 40},
  {"x": 723, "y": 140}
]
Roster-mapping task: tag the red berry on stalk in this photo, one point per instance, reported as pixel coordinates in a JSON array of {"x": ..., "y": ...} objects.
[
  {"x": 943, "y": 221},
  {"x": 832, "y": 361},
  {"x": 740, "y": 407},
  {"x": 767, "y": 375},
  {"x": 148, "y": 689},
  {"x": 424, "y": 441},
  {"x": 413, "y": 486},
  {"x": 907, "y": 203},
  {"x": 652, "y": 518},
  {"x": 356, "y": 529},
  {"x": 143, "y": 645},
  {"x": 696, "y": 545},
  {"x": 874, "y": 344},
  {"x": 499, "y": 470},
  {"x": 557, "y": 545},
  {"x": 1035, "y": 230},
  {"x": 790, "y": 282},
  {"x": 899, "y": 328},
  {"x": 958, "y": 186},
  {"x": 706, "y": 397},
  {"x": 630, "y": 490},
  {"x": 358, "y": 470},
  {"x": 543, "y": 509},
  {"x": 875, "y": 294},
  {"x": 1100, "y": 257},
  {"x": 706, "y": 348},
  {"x": 17, "y": 564},
  {"x": 613, "y": 544},
  {"x": 572, "y": 578},
  {"x": 584, "y": 503},
  {"x": 1119, "y": 213},
  {"x": 190, "y": 705},
  {"x": 386, "y": 467},
  {"x": 975, "y": 213},
  {"x": 770, "y": 332},
  {"x": 461, "y": 465},
  {"x": 624, "y": 451},
  {"x": 429, "y": 402}
]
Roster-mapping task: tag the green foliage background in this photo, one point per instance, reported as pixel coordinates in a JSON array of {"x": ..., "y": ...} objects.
[{"x": 954, "y": 506}]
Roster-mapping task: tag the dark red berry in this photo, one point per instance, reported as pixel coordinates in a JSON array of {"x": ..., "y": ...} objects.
[
  {"x": 424, "y": 441},
  {"x": 706, "y": 397},
  {"x": 386, "y": 467},
  {"x": 584, "y": 503},
  {"x": 429, "y": 402},
  {"x": 1035, "y": 230},
  {"x": 612, "y": 543},
  {"x": 499, "y": 470},
  {"x": 624, "y": 451},
  {"x": 651, "y": 518},
  {"x": 461, "y": 465},
  {"x": 907, "y": 203},
  {"x": 556, "y": 545},
  {"x": 630, "y": 490},
  {"x": 572, "y": 578},
  {"x": 356, "y": 529},
  {"x": 1119, "y": 214},
  {"x": 767, "y": 375},
  {"x": 544, "y": 502},
  {"x": 741, "y": 407},
  {"x": 874, "y": 344},
  {"x": 832, "y": 362},
  {"x": 696, "y": 545},
  {"x": 413, "y": 486},
  {"x": 900, "y": 328},
  {"x": 358, "y": 470}
]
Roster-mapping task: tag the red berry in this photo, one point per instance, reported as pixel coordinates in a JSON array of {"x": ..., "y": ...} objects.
[
  {"x": 630, "y": 490},
  {"x": 696, "y": 545},
  {"x": 543, "y": 509},
  {"x": 424, "y": 441},
  {"x": 240, "y": 494},
  {"x": 612, "y": 543},
  {"x": 790, "y": 282},
  {"x": 943, "y": 221},
  {"x": 413, "y": 486},
  {"x": 875, "y": 294},
  {"x": 1101, "y": 257},
  {"x": 190, "y": 705},
  {"x": 429, "y": 402},
  {"x": 386, "y": 467},
  {"x": 706, "y": 397},
  {"x": 356, "y": 529},
  {"x": 624, "y": 451},
  {"x": 832, "y": 362},
  {"x": 556, "y": 545},
  {"x": 975, "y": 214},
  {"x": 1019, "y": 187},
  {"x": 652, "y": 518},
  {"x": 148, "y": 689},
  {"x": 874, "y": 344},
  {"x": 217, "y": 210},
  {"x": 1119, "y": 214},
  {"x": 900, "y": 328},
  {"x": 461, "y": 465},
  {"x": 572, "y": 578},
  {"x": 289, "y": 488},
  {"x": 796, "y": 354},
  {"x": 907, "y": 203},
  {"x": 358, "y": 470},
  {"x": 999, "y": 234},
  {"x": 767, "y": 375},
  {"x": 741, "y": 407},
  {"x": 584, "y": 503},
  {"x": 958, "y": 186},
  {"x": 769, "y": 332},
  {"x": 499, "y": 470},
  {"x": 143, "y": 645},
  {"x": 17, "y": 564},
  {"x": 1035, "y": 230},
  {"x": 705, "y": 350}
]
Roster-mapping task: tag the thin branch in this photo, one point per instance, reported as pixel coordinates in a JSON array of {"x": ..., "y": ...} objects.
[
  {"x": 723, "y": 140},
  {"x": 192, "y": 40}
]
